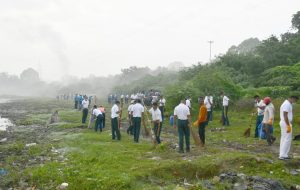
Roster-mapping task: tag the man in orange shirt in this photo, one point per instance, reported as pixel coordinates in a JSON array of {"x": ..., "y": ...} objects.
[{"x": 202, "y": 120}]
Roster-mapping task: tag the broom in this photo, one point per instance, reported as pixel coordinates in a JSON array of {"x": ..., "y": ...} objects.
[
  {"x": 194, "y": 135},
  {"x": 248, "y": 130}
]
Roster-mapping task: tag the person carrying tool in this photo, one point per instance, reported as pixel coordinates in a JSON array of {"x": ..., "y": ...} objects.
[
  {"x": 115, "y": 110},
  {"x": 260, "y": 105},
  {"x": 286, "y": 119},
  {"x": 182, "y": 117},
  {"x": 156, "y": 121},
  {"x": 268, "y": 120},
  {"x": 202, "y": 120}
]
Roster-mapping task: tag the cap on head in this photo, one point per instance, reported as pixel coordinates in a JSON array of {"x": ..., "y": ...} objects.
[{"x": 267, "y": 100}]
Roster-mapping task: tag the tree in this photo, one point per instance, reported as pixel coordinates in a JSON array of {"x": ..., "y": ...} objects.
[
  {"x": 296, "y": 21},
  {"x": 30, "y": 75}
]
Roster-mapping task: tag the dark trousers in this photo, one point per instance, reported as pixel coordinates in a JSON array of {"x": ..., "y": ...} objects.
[
  {"x": 85, "y": 112},
  {"x": 157, "y": 129},
  {"x": 225, "y": 119},
  {"x": 162, "y": 109},
  {"x": 202, "y": 131},
  {"x": 130, "y": 128},
  {"x": 183, "y": 132},
  {"x": 103, "y": 121},
  {"x": 76, "y": 105},
  {"x": 99, "y": 123},
  {"x": 136, "y": 128},
  {"x": 209, "y": 116},
  {"x": 115, "y": 129},
  {"x": 259, "y": 119},
  {"x": 268, "y": 131}
]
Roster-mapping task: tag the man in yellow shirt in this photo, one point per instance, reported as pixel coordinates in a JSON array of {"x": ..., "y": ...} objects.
[{"x": 202, "y": 120}]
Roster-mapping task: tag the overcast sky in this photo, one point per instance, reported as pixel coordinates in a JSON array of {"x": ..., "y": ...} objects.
[{"x": 83, "y": 37}]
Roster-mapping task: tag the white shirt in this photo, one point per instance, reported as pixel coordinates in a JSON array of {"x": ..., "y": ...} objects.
[
  {"x": 122, "y": 96},
  {"x": 269, "y": 113},
  {"x": 96, "y": 112},
  {"x": 85, "y": 103},
  {"x": 286, "y": 107},
  {"x": 156, "y": 114},
  {"x": 225, "y": 101},
  {"x": 206, "y": 102},
  {"x": 260, "y": 104},
  {"x": 162, "y": 102},
  {"x": 182, "y": 111},
  {"x": 114, "y": 111},
  {"x": 137, "y": 110},
  {"x": 188, "y": 103},
  {"x": 130, "y": 108}
]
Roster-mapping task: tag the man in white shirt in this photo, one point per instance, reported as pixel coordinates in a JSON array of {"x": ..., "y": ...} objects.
[
  {"x": 156, "y": 121},
  {"x": 85, "y": 111},
  {"x": 182, "y": 117},
  {"x": 225, "y": 104},
  {"x": 260, "y": 105},
  {"x": 162, "y": 104},
  {"x": 130, "y": 128},
  {"x": 208, "y": 102},
  {"x": 137, "y": 112},
  {"x": 99, "y": 119},
  {"x": 114, "y": 121},
  {"x": 286, "y": 119},
  {"x": 268, "y": 120},
  {"x": 188, "y": 102}
]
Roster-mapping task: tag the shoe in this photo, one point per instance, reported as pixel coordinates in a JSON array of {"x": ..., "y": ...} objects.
[{"x": 285, "y": 158}]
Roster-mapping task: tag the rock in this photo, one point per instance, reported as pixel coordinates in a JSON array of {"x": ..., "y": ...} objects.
[
  {"x": 294, "y": 172},
  {"x": 155, "y": 158},
  {"x": 63, "y": 186},
  {"x": 298, "y": 187},
  {"x": 30, "y": 144},
  {"x": 3, "y": 140},
  {"x": 216, "y": 179}
]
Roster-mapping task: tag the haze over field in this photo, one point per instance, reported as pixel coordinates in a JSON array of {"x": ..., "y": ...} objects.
[{"x": 80, "y": 38}]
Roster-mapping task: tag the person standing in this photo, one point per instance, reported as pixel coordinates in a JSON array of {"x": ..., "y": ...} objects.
[
  {"x": 225, "y": 104},
  {"x": 286, "y": 119},
  {"x": 182, "y": 118},
  {"x": 115, "y": 110},
  {"x": 137, "y": 112},
  {"x": 208, "y": 102},
  {"x": 156, "y": 121},
  {"x": 99, "y": 119},
  {"x": 260, "y": 113},
  {"x": 268, "y": 120},
  {"x": 102, "y": 109},
  {"x": 92, "y": 118},
  {"x": 85, "y": 109},
  {"x": 130, "y": 119},
  {"x": 162, "y": 104},
  {"x": 202, "y": 120}
]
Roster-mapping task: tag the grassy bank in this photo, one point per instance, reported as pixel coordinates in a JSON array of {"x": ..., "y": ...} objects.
[{"x": 68, "y": 152}]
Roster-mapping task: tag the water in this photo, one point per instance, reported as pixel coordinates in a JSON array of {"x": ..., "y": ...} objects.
[{"x": 4, "y": 123}]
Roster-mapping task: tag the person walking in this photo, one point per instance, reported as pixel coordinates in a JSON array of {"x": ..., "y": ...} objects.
[
  {"x": 268, "y": 120},
  {"x": 115, "y": 110},
  {"x": 202, "y": 120},
  {"x": 162, "y": 104},
  {"x": 130, "y": 118},
  {"x": 137, "y": 112},
  {"x": 286, "y": 119},
  {"x": 208, "y": 102},
  {"x": 85, "y": 110},
  {"x": 102, "y": 109},
  {"x": 156, "y": 121},
  {"x": 260, "y": 105},
  {"x": 225, "y": 120},
  {"x": 99, "y": 119},
  {"x": 181, "y": 120}
]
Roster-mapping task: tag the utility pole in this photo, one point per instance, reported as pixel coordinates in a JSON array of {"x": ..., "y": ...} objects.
[{"x": 210, "y": 42}]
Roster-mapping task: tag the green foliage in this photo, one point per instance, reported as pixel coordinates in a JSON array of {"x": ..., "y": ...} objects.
[{"x": 296, "y": 21}]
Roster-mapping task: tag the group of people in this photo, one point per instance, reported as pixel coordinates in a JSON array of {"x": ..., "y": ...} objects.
[
  {"x": 137, "y": 115},
  {"x": 265, "y": 122}
]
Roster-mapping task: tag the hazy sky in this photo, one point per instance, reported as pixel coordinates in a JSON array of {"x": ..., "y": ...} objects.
[{"x": 83, "y": 37}]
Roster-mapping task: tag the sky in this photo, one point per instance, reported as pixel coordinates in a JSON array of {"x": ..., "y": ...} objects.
[{"x": 100, "y": 37}]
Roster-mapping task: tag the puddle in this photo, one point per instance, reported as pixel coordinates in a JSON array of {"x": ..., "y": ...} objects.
[{"x": 4, "y": 124}]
